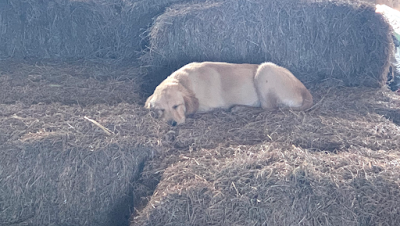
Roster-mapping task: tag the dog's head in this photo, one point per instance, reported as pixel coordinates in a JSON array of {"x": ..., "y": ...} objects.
[{"x": 172, "y": 102}]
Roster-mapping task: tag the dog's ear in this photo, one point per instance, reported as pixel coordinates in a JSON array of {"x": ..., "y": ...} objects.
[
  {"x": 147, "y": 104},
  {"x": 191, "y": 103}
]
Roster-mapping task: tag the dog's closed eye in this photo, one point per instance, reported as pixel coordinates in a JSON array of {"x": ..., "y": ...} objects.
[{"x": 175, "y": 107}]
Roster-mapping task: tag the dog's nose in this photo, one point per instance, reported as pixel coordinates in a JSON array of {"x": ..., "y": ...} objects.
[{"x": 172, "y": 122}]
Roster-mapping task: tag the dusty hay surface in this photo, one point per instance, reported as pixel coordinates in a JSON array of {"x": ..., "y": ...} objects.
[
  {"x": 313, "y": 39},
  {"x": 75, "y": 82},
  {"x": 58, "y": 167},
  {"x": 336, "y": 164}
]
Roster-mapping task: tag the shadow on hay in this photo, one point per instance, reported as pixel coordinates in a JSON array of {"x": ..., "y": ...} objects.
[
  {"x": 316, "y": 41},
  {"x": 391, "y": 114}
]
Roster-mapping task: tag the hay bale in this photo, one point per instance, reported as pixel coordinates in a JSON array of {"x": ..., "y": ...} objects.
[
  {"x": 76, "y": 28},
  {"x": 270, "y": 185},
  {"x": 141, "y": 16},
  {"x": 315, "y": 40},
  {"x": 61, "y": 29},
  {"x": 64, "y": 172},
  {"x": 58, "y": 168}
]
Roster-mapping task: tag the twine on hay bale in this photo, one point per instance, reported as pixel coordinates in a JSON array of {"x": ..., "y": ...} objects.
[{"x": 315, "y": 40}]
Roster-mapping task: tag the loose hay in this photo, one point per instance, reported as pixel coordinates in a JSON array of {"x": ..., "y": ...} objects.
[
  {"x": 57, "y": 168},
  {"x": 82, "y": 83},
  {"x": 315, "y": 40}
]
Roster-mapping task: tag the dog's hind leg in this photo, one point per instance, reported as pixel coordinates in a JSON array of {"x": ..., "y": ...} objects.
[{"x": 268, "y": 99}]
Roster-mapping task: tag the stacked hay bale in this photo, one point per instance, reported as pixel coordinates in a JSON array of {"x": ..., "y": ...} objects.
[
  {"x": 76, "y": 29},
  {"x": 48, "y": 182},
  {"x": 315, "y": 40},
  {"x": 140, "y": 17},
  {"x": 57, "y": 166},
  {"x": 61, "y": 29}
]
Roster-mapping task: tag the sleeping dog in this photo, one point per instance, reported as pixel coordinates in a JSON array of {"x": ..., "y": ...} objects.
[{"x": 202, "y": 87}]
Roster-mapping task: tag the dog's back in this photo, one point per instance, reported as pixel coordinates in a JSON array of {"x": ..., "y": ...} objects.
[
  {"x": 221, "y": 85},
  {"x": 277, "y": 87}
]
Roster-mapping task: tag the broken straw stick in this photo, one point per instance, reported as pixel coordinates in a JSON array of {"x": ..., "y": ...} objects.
[{"x": 107, "y": 131}]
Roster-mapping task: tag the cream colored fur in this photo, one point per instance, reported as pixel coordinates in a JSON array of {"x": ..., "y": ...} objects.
[{"x": 202, "y": 87}]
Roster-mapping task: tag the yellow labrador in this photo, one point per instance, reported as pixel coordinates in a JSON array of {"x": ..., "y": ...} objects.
[{"x": 202, "y": 87}]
